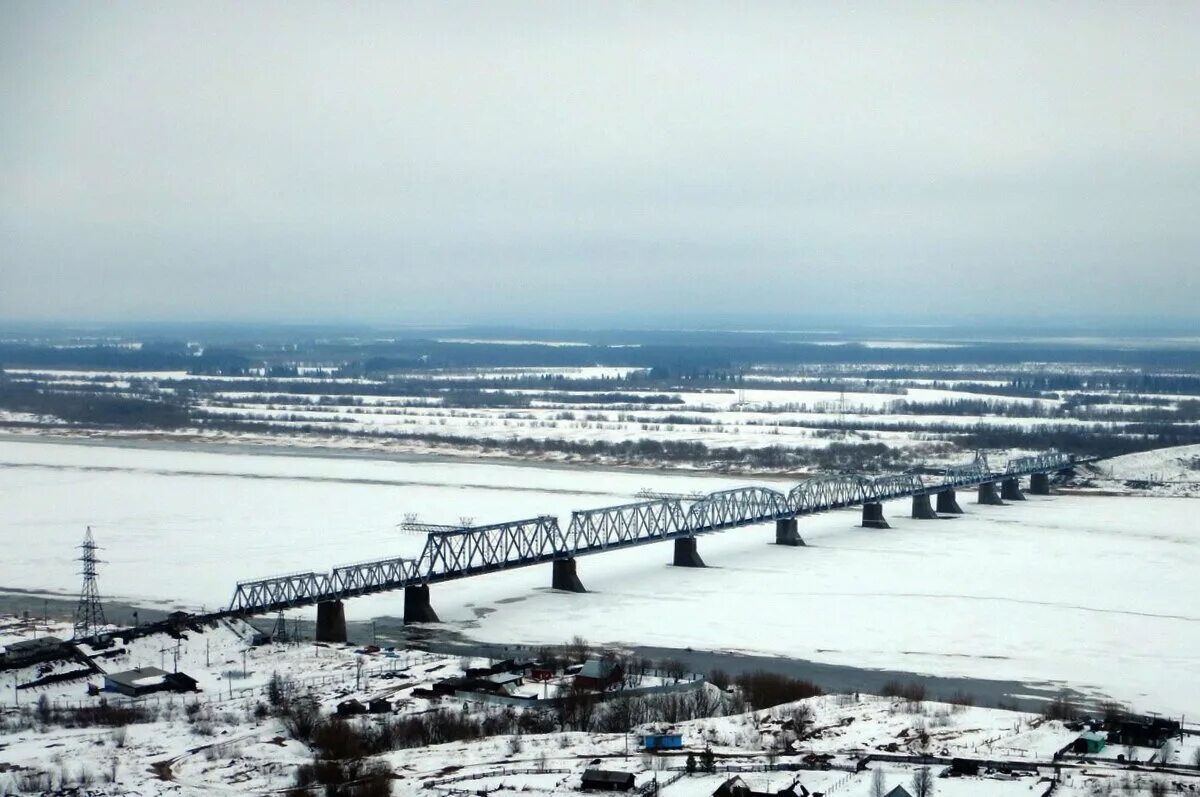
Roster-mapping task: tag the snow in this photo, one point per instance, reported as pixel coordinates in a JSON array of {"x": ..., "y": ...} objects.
[
  {"x": 1092, "y": 591},
  {"x": 1165, "y": 472}
]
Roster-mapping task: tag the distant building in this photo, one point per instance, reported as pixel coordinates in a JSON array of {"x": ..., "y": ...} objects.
[
  {"x": 506, "y": 680},
  {"x": 1144, "y": 732},
  {"x": 899, "y": 791},
  {"x": 1089, "y": 743},
  {"x": 737, "y": 787},
  {"x": 599, "y": 674},
  {"x": 32, "y": 651},
  {"x": 662, "y": 741},
  {"x": 606, "y": 780},
  {"x": 350, "y": 707},
  {"x": 148, "y": 680}
]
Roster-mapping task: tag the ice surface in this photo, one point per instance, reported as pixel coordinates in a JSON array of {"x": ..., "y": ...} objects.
[{"x": 1093, "y": 591}]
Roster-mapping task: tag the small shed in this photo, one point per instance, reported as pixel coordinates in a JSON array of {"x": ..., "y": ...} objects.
[
  {"x": 1089, "y": 743},
  {"x": 136, "y": 682},
  {"x": 181, "y": 682},
  {"x": 379, "y": 705},
  {"x": 506, "y": 680},
  {"x": 606, "y": 780},
  {"x": 662, "y": 741},
  {"x": 348, "y": 708},
  {"x": 599, "y": 674},
  {"x": 899, "y": 791}
]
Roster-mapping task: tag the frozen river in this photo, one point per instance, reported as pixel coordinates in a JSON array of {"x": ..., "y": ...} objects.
[{"x": 1101, "y": 593}]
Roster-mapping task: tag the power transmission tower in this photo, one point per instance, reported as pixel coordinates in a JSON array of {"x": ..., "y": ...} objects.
[{"x": 89, "y": 614}]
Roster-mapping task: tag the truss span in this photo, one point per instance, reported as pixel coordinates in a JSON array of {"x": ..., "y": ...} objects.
[
  {"x": 455, "y": 552},
  {"x": 741, "y": 506},
  {"x": 1038, "y": 463},
  {"x": 822, "y": 493}
]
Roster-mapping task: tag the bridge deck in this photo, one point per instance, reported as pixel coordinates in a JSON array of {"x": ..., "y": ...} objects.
[{"x": 461, "y": 553}]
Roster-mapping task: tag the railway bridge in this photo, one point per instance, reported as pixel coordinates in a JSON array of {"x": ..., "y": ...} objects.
[{"x": 454, "y": 552}]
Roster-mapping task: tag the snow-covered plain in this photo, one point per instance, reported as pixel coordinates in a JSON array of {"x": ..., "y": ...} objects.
[{"x": 1092, "y": 591}]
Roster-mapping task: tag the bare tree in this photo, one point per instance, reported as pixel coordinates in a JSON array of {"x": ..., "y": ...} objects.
[
  {"x": 577, "y": 649},
  {"x": 877, "y": 785},
  {"x": 705, "y": 702},
  {"x": 922, "y": 783},
  {"x": 1166, "y": 751},
  {"x": 1197, "y": 757}
]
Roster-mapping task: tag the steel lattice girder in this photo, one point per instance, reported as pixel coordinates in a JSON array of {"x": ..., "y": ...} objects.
[
  {"x": 822, "y": 493},
  {"x": 973, "y": 472},
  {"x": 621, "y": 525},
  {"x": 887, "y": 487},
  {"x": 372, "y": 576},
  {"x": 726, "y": 509},
  {"x": 479, "y": 548},
  {"x": 288, "y": 590},
  {"x": 1051, "y": 460}
]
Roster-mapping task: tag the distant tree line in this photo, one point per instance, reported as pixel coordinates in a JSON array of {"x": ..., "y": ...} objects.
[{"x": 88, "y": 408}]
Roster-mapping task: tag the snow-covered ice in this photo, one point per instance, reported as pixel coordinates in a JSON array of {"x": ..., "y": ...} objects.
[{"x": 1098, "y": 592}]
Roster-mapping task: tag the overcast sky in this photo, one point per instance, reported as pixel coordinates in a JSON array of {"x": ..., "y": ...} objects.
[{"x": 598, "y": 163}]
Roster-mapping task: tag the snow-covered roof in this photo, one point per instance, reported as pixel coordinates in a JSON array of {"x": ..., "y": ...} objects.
[{"x": 597, "y": 668}]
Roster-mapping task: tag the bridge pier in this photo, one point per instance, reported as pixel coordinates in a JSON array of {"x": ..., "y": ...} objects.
[
  {"x": 947, "y": 503},
  {"x": 987, "y": 494},
  {"x": 922, "y": 509},
  {"x": 1010, "y": 490},
  {"x": 686, "y": 554},
  {"x": 787, "y": 532},
  {"x": 1039, "y": 483},
  {"x": 565, "y": 577},
  {"x": 417, "y": 608},
  {"x": 872, "y": 517},
  {"x": 331, "y": 622}
]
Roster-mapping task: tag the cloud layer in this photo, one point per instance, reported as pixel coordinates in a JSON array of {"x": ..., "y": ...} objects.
[{"x": 597, "y": 163}]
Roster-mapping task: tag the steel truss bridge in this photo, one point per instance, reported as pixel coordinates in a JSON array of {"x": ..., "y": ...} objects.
[{"x": 458, "y": 552}]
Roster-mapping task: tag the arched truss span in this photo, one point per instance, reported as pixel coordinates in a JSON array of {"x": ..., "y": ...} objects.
[
  {"x": 822, "y": 493},
  {"x": 737, "y": 507}
]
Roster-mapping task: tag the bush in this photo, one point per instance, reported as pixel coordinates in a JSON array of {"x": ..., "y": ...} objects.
[
  {"x": 913, "y": 691},
  {"x": 764, "y": 689}
]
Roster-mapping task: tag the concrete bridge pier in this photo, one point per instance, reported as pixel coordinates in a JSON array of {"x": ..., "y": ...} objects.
[
  {"x": 1010, "y": 490},
  {"x": 987, "y": 494},
  {"x": 947, "y": 503},
  {"x": 787, "y": 532},
  {"x": 1039, "y": 483},
  {"x": 686, "y": 554},
  {"x": 331, "y": 622},
  {"x": 873, "y": 516},
  {"x": 565, "y": 577},
  {"x": 417, "y": 608},
  {"x": 922, "y": 509}
]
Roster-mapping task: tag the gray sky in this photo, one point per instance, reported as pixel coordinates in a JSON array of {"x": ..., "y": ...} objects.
[{"x": 567, "y": 162}]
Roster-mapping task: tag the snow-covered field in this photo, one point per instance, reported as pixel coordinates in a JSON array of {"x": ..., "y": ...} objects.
[
  {"x": 1096, "y": 592},
  {"x": 1165, "y": 472}
]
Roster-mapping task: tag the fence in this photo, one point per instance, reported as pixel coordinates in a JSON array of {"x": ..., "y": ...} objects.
[{"x": 503, "y": 772}]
